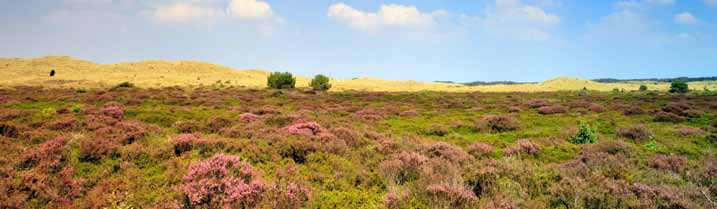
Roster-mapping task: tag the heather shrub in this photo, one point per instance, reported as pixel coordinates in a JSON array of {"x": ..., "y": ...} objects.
[
  {"x": 8, "y": 130},
  {"x": 403, "y": 167},
  {"x": 632, "y": 110},
  {"x": 249, "y": 117},
  {"x": 51, "y": 191},
  {"x": 320, "y": 83},
  {"x": 215, "y": 124},
  {"x": 304, "y": 129},
  {"x": 687, "y": 131},
  {"x": 693, "y": 113},
  {"x": 64, "y": 124},
  {"x": 93, "y": 150},
  {"x": 523, "y": 146},
  {"x": 185, "y": 142},
  {"x": 636, "y": 132},
  {"x": 48, "y": 156},
  {"x": 514, "y": 109},
  {"x": 671, "y": 163},
  {"x": 113, "y": 109},
  {"x": 298, "y": 150},
  {"x": 536, "y": 103},
  {"x": 596, "y": 107},
  {"x": 125, "y": 132},
  {"x": 585, "y": 135},
  {"x": 222, "y": 181},
  {"x": 287, "y": 192},
  {"x": 668, "y": 117},
  {"x": 442, "y": 195},
  {"x": 447, "y": 151},
  {"x": 279, "y": 80},
  {"x": 437, "y": 130},
  {"x": 479, "y": 149},
  {"x": 350, "y": 136},
  {"x": 187, "y": 126},
  {"x": 677, "y": 108},
  {"x": 547, "y": 110},
  {"x": 497, "y": 123}
]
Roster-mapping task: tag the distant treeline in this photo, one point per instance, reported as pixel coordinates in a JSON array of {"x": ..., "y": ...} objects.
[
  {"x": 484, "y": 83},
  {"x": 687, "y": 79},
  {"x": 601, "y": 80}
]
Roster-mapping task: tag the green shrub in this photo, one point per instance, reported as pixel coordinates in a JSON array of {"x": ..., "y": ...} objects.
[
  {"x": 279, "y": 80},
  {"x": 679, "y": 86},
  {"x": 81, "y": 90},
  {"x": 643, "y": 88},
  {"x": 76, "y": 108},
  {"x": 585, "y": 135},
  {"x": 320, "y": 83},
  {"x": 123, "y": 85}
]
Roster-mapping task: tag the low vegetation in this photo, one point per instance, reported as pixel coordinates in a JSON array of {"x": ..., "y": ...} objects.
[{"x": 210, "y": 147}]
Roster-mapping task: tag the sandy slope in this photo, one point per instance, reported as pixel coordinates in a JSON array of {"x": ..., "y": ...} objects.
[{"x": 156, "y": 73}]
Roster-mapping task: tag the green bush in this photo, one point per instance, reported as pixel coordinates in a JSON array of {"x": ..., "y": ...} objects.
[
  {"x": 679, "y": 86},
  {"x": 123, "y": 85},
  {"x": 643, "y": 88},
  {"x": 279, "y": 80},
  {"x": 320, "y": 83},
  {"x": 585, "y": 135}
]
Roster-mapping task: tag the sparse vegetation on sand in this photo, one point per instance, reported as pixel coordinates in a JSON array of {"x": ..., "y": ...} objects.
[
  {"x": 215, "y": 147},
  {"x": 157, "y": 74}
]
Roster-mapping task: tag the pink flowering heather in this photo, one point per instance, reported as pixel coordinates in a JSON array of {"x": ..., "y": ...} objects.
[
  {"x": 447, "y": 151},
  {"x": 249, "y": 117},
  {"x": 304, "y": 129},
  {"x": 449, "y": 196},
  {"x": 185, "y": 142},
  {"x": 223, "y": 181},
  {"x": 672, "y": 162},
  {"x": 48, "y": 156},
  {"x": 113, "y": 109},
  {"x": 403, "y": 167},
  {"x": 523, "y": 146},
  {"x": 480, "y": 149}
]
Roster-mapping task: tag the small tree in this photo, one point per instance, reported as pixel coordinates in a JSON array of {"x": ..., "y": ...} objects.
[
  {"x": 279, "y": 80},
  {"x": 679, "y": 86},
  {"x": 643, "y": 88},
  {"x": 585, "y": 135},
  {"x": 320, "y": 83}
]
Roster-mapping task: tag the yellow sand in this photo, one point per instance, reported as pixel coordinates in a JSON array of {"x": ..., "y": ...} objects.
[{"x": 156, "y": 73}]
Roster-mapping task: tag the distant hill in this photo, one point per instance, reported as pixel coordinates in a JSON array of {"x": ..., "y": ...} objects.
[
  {"x": 688, "y": 79},
  {"x": 71, "y": 72}
]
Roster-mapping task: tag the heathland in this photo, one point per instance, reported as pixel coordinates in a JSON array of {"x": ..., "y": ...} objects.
[
  {"x": 228, "y": 147},
  {"x": 155, "y": 73}
]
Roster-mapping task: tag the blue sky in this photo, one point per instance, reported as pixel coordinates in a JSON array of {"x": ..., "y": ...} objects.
[{"x": 457, "y": 40}]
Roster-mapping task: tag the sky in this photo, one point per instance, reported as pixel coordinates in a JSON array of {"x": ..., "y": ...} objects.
[{"x": 429, "y": 40}]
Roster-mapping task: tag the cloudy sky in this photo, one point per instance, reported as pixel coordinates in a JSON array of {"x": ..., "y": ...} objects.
[{"x": 458, "y": 40}]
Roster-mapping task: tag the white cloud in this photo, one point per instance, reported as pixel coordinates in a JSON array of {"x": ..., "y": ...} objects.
[
  {"x": 626, "y": 5},
  {"x": 388, "y": 16},
  {"x": 250, "y": 9},
  {"x": 186, "y": 12},
  {"x": 710, "y": 2},
  {"x": 641, "y": 4},
  {"x": 685, "y": 18},
  {"x": 208, "y": 12},
  {"x": 514, "y": 19},
  {"x": 661, "y": 2}
]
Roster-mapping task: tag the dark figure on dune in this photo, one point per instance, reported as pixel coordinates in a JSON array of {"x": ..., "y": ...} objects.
[{"x": 52, "y": 73}]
